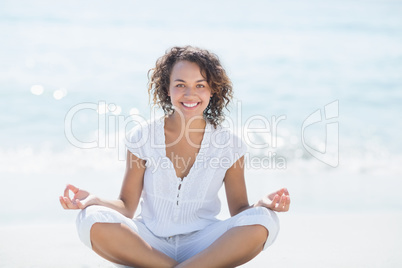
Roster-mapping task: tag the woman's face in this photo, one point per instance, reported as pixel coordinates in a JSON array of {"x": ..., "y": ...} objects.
[{"x": 188, "y": 89}]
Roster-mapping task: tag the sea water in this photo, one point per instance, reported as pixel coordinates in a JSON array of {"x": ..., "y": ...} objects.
[{"x": 317, "y": 83}]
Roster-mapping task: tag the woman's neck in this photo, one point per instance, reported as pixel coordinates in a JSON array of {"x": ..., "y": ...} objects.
[{"x": 176, "y": 122}]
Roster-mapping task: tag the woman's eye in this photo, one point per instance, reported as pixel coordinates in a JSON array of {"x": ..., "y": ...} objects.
[
  {"x": 179, "y": 85},
  {"x": 200, "y": 86}
]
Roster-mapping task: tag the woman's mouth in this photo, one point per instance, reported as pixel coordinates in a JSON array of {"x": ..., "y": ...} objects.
[{"x": 190, "y": 104}]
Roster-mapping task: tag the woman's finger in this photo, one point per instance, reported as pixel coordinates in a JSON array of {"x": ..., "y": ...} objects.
[
  {"x": 271, "y": 196},
  {"x": 284, "y": 200},
  {"x": 69, "y": 203},
  {"x": 281, "y": 191},
  {"x": 68, "y": 206},
  {"x": 66, "y": 192},
  {"x": 73, "y": 188},
  {"x": 63, "y": 204},
  {"x": 287, "y": 205},
  {"x": 275, "y": 201}
]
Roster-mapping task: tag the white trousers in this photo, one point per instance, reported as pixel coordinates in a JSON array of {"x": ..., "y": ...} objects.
[{"x": 183, "y": 246}]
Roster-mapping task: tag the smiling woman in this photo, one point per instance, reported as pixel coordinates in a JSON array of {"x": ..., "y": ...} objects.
[{"x": 178, "y": 225}]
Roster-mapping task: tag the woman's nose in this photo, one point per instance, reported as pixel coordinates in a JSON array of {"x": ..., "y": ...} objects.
[{"x": 190, "y": 91}]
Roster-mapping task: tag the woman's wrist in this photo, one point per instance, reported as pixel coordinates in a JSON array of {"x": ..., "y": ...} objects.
[
  {"x": 97, "y": 201},
  {"x": 258, "y": 204}
]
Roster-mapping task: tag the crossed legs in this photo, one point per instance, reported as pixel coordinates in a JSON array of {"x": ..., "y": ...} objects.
[{"x": 119, "y": 244}]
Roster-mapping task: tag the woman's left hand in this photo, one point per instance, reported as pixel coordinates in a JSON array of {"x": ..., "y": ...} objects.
[{"x": 277, "y": 201}]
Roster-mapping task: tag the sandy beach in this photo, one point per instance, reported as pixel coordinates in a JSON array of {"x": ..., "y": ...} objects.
[
  {"x": 333, "y": 222},
  {"x": 306, "y": 240}
]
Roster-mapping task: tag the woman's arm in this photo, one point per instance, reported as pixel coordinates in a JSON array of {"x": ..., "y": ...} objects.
[
  {"x": 235, "y": 187},
  {"x": 236, "y": 192},
  {"x": 133, "y": 183},
  {"x": 129, "y": 196}
]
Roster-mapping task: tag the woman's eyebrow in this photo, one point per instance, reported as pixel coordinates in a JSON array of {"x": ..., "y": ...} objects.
[{"x": 198, "y": 81}]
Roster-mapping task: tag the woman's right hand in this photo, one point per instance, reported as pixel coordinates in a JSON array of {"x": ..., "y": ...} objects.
[{"x": 81, "y": 199}]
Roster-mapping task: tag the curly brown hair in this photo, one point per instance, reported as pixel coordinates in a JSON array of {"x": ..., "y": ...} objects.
[{"x": 211, "y": 70}]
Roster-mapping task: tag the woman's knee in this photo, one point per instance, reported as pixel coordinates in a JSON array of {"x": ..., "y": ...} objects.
[
  {"x": 101, "y": 231},
  {"x": 265, "y": 219},
  {"x": 89, "y": 217},
  {"x": 259, "y": 232}
]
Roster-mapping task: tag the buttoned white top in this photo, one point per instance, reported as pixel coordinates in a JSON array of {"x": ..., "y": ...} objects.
[{"x": 170, "y": 205}]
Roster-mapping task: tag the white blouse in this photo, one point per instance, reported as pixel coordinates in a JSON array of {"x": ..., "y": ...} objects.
[{"x": 172, "y": 206}]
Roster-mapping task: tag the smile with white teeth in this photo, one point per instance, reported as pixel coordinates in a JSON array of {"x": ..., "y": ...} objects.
[{"x": 190, "y": 104}]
